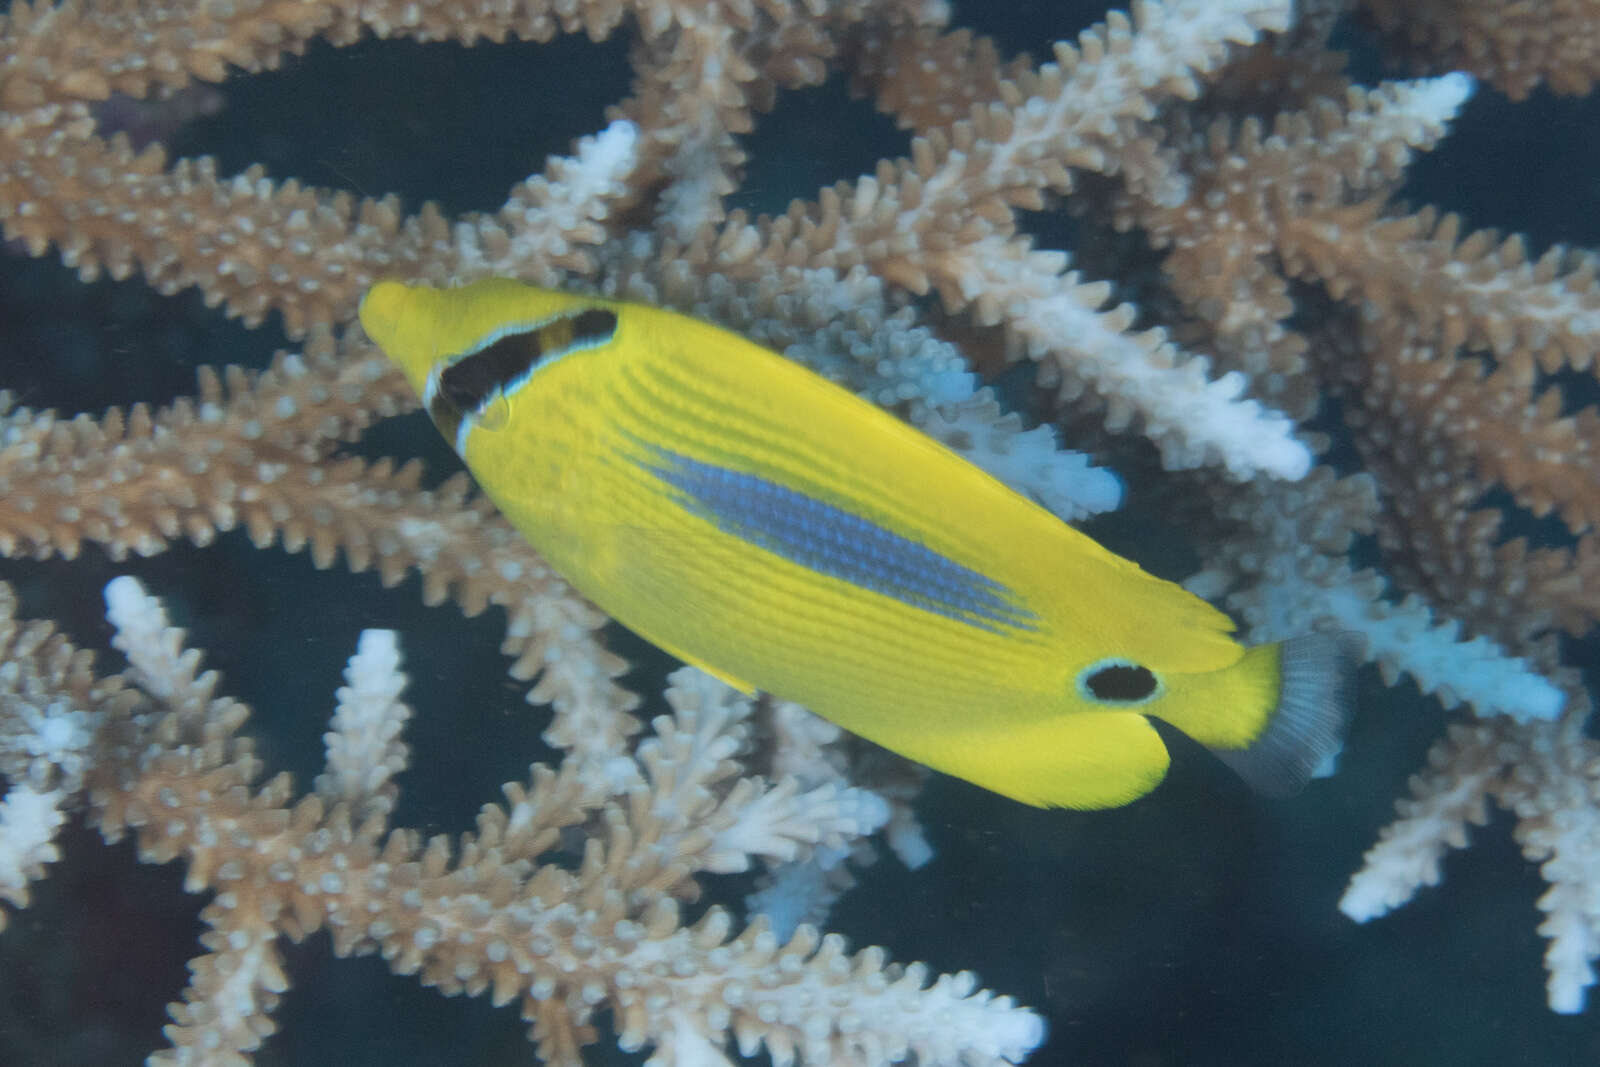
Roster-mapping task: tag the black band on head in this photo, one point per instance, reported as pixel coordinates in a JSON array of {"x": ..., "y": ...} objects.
[{"x": 467, "y": 384}]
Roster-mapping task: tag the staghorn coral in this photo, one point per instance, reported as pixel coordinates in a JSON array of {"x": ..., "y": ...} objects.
[
  {"x": 1258, "y": 187},
  {"x": 483, "y": 913}
]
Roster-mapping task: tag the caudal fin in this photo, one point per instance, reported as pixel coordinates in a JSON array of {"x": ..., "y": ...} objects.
[{"x": 1316, "y": 695}]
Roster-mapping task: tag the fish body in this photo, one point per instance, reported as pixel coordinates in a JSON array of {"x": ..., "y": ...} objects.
[{"x": 758, "y": 521}]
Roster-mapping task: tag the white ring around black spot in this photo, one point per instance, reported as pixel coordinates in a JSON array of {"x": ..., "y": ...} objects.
[{"x": 1118, "y": 675}]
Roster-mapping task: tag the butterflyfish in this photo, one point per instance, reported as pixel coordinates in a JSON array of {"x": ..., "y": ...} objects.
[{"x": 756, "y": 520}]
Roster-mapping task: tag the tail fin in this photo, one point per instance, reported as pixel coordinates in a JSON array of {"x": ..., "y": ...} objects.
[{"x": 1316, "y": 694}]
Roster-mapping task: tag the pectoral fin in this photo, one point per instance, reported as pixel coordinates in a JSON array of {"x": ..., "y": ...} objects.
[{"x": 667, "y": 565}]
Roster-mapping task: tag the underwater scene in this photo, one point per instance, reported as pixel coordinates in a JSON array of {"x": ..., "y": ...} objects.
[{"x": 1174, "y": 404}]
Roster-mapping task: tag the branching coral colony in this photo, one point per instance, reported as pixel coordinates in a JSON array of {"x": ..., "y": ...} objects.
[{"x": 1223, "y": 133}]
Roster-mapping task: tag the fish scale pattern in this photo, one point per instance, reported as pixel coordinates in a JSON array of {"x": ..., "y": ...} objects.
[{"x": 832, "y": 541}]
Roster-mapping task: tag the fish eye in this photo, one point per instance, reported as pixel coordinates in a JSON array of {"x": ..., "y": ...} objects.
[
  {"x": 1116, "y": 681},
  {"x": 495, "y": 412}
]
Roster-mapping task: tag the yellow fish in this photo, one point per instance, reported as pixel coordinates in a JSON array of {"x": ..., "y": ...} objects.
[{"x": 762, "y": 523}]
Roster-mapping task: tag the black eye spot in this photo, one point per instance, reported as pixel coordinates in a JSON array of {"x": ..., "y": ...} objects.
[{"x": 1120, "y": 682}]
